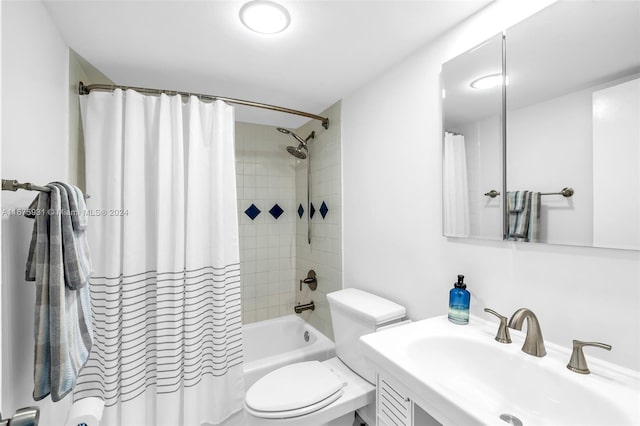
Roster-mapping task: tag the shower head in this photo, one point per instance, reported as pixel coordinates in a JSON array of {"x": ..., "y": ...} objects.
[
  {"x": 289, "y": 132},
  {"x": 301, "y": 150}
]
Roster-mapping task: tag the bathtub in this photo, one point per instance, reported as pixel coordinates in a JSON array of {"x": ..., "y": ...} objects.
[{"x": 271, "y": 344}]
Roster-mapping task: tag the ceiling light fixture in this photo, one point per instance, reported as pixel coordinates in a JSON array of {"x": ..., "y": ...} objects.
[
  {"x": 264, "y": 16},
  {"x": 487, "y": 81}
]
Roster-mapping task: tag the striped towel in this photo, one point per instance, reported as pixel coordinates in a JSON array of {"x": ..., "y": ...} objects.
[
  {"x": 516, "y": 201},
  {"x": 524, "y": 215},
  {"x": 533, "y": 233},
  {"x": 77, "y": 262},
  {"x": 59, "y": 263}
]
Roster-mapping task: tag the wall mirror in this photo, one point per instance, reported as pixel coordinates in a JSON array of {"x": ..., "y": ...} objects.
[
  {"x": 573, "y": 121},
  {"x": 572, "y": 147},
  {"x": 472, "y": 144}
]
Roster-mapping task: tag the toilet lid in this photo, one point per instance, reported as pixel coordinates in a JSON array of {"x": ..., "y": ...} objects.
[
  {"x": 297, "y": 412},
  {"x": 293, "y": 387}
]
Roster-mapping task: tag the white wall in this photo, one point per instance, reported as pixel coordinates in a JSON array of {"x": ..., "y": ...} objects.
[
  {"x": 34, "y": 149},
  {"x": 393, "y": 244}
]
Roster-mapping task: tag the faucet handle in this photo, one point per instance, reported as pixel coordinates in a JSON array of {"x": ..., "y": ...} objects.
[
  {"x": 311, "y": 280},
  {"x": 578, "y": 363},
  {"x": 503, "y": 331}
]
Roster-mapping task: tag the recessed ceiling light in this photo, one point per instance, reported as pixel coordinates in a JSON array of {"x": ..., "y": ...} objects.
[
  {"x": 487, "y": 81},
  {"x": 264, "y": 16}
]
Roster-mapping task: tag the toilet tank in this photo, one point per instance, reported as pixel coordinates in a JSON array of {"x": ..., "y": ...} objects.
[{"x": 355, "y": 313}]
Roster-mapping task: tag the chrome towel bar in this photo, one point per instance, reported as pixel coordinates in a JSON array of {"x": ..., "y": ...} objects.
[
  {"x": 565, "y": 192},
  {"x": 14, "y": 185}
]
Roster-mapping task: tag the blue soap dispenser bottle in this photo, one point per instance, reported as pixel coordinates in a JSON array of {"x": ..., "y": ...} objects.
[{"x": 459, "y": 300}]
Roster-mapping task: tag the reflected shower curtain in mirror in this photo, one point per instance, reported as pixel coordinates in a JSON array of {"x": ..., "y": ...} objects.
[
  {"x": 164, "y": 238},
  {"x": 455, "y": 187}
]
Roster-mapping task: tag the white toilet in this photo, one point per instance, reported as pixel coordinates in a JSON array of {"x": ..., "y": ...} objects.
[{"x": 318, "y": 393}]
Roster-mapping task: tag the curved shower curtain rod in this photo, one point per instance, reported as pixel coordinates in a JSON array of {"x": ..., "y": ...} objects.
[{"x": 85, "y": 89}]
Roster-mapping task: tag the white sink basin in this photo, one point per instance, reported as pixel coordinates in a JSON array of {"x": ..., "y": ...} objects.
[{"x": 461, "y": 375}]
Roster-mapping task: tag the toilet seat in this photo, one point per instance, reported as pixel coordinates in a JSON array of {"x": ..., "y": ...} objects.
[{"x": 294, "y": 390}]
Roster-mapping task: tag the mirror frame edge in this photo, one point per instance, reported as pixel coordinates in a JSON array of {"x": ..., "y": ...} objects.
[{"x": 503, "y": 135}]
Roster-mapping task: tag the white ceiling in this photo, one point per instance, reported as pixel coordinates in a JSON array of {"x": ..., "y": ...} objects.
[{"x": 330, "y": 49}]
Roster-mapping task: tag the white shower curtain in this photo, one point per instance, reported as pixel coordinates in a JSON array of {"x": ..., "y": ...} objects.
[
  {"x": 164, "y": 241},
  {"x": 455, "y": 187}
]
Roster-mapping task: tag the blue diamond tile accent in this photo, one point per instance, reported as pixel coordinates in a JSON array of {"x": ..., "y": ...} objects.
[
  {"x": 276, "y": 211},
  {"x": 312, "y": 211},
  {"x": 252, "y": 211},
  {"x": 324, "y": 210},
  {"x": 300, "y": 211}
]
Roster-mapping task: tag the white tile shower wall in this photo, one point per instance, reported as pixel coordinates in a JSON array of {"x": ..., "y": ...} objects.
[
  {"x": 265, "y": 176},
  {"x": 324, "y": 254}
]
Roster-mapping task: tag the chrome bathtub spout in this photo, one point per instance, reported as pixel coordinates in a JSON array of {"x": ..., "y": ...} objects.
[
  {"x": 533, "y": 342},
  {"x": 298, "y": 309}
]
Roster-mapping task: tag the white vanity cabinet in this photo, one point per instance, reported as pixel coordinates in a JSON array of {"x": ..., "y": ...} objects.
[{"x": 395, "y": 407}]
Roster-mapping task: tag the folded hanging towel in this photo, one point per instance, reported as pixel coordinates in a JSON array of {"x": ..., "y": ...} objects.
[
  {"x": 59, "y": 263},
  {"x": 77, "y": 262},
  {"x": 518, "y": 205},
  {"x": 516, "y": 201},
  {"x": 533, "y": 233},
  {"x": 524, "y": 215}
]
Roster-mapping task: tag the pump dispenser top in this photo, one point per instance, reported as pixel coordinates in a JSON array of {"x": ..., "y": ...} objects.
[{"x": 459, "y": 301}]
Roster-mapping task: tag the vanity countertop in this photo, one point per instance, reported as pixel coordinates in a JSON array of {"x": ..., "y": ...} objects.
[{"x": 460, "y": 375}]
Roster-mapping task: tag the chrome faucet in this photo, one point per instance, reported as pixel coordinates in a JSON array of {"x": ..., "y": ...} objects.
[{"x": 533, "y": 342}]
